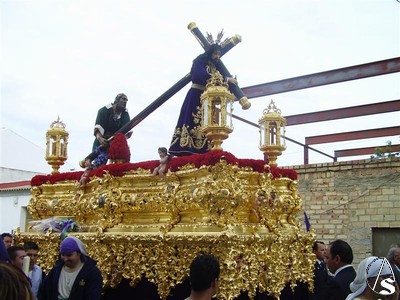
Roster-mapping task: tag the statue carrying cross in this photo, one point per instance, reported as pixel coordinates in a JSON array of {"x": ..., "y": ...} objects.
[
  {"x": 187, "y": 137},
  {"x": 227, "y": 45}
]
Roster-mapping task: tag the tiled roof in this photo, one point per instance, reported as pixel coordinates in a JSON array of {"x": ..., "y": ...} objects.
[{"x": 15, "y": 186}]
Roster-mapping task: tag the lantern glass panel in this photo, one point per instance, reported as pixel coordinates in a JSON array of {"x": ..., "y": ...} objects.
[
  {"x": 216, "y": 120},
  {"x": 62, "y": 147},
  {"x": 205, "y": 113},
  {"x": 230, "y": 107},
  {"x": 283, "y": 131},
  {"x": 262, "y": 135},
  {"x": 273, "y": 139},
  {"x": 53, "y": 144}
]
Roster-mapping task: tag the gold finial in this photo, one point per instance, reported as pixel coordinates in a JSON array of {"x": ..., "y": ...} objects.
[
  {"x": 272, "y": 107},
  {"x": 57, "y": 123}
]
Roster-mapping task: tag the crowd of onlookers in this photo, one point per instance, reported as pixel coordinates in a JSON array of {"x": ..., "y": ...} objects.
[
  {"x": 75, "y": 275},
  {"x": 336, "y": 279}
]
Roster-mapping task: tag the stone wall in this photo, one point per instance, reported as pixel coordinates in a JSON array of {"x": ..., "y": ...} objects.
[{"x": 346, "y": 200}]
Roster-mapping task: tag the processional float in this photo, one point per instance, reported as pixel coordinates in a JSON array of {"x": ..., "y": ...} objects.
[{"x": 136, "y": 225}]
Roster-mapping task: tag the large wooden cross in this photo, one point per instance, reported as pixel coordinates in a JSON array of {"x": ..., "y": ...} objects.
[
  {"x": 244, "y": 102},
  {"x": 228, "y": 45}
]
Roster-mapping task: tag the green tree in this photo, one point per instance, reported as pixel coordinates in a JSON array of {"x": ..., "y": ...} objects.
[{"x": 386, "y": 152}]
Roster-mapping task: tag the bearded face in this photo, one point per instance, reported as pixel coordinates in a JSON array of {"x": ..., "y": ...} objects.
[
  {"x": 215, "y": 56},
  {"x": 120, "y": 104}
]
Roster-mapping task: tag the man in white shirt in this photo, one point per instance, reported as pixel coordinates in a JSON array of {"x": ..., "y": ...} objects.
[{"x": 36, "y": 274}]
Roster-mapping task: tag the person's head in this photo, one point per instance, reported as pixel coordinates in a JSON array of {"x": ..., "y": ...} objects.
[
  {"x": 319, "y": 250},
  {"x": 14, "y": 284},
  {"x": 204, "y": 273},
  {"x": 32, "y": 250},
  {"x": 3, "y": 251},
  {"x": 120, "y": 102},
  {"x": 370, "y": 272},
  {"x": 7, "y": 239},
  {"x": 214, "y": 52},
  {"x": 338, "y": 254},
  {"x": 72, "y": 251},
  {"x": 394, "y": 256},
  {"x": 162, "y": 151},
  {"x": 16, "y": 255}
]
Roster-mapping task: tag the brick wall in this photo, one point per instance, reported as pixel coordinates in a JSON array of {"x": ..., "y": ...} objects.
[{"x": 347, "y": 199}]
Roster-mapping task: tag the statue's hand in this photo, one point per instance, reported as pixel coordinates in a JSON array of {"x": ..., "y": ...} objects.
[
  {"x": 102, "y": 140},
  {"x": 233, "y": 80}
]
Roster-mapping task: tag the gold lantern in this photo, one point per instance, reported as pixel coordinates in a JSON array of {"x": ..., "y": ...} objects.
[
  {"x": 272, "y": 133},
  {"x": 56, "y": 145},
  {"x": 217, "y": 105}
]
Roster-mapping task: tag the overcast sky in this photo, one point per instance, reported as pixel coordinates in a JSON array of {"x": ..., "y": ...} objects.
[{"x": 69, "y": 58}]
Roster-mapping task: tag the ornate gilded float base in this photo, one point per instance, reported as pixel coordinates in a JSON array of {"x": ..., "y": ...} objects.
[
  {"x": 248, "y": 262},
  {"x": 136, "y": 224}
]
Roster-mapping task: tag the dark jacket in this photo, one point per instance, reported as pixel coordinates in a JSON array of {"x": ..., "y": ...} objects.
[
  {"x": 320, "y": 281},
  {"x": 87, "y": 285},
  {"x": 338, "y": 288},
  {"x": 396, "y": 273}
]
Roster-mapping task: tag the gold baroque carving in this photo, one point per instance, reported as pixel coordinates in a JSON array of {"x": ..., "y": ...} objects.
[
  {"x": 139, "y": 225},
  {"x": 247, "y": 262}
]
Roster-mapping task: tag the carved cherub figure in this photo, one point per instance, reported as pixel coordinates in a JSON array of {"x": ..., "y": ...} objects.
[{"x": 164, "y": 158}]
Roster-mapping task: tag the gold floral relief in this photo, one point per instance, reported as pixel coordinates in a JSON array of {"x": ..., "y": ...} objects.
[
  {"x": 247, "y": 262},
  {"x": 138, "y": 225}
]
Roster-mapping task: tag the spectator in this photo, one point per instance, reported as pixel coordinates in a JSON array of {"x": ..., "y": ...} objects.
[
  {"x": 75, "y": 276},
  {"x": 320, "y": 271},
  {"x": 14, "y": 285},
  {"x": 366, "y": 285},
  {"x": 3, "y": 252},
  {"x": 393, "y": 257},
  {"x": 204, "y": 276},
  {"x": 7, "y": 239},
  {"x": 16, "y": 255},
  {"x": 36, "y": 275},
  {"x": 338, "y": 260}
]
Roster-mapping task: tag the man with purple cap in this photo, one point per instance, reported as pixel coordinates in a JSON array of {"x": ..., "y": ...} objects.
[{"x": 75, "y": 276}]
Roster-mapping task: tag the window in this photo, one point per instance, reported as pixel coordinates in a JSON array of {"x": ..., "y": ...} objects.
[{"x": 382, "y": 239}]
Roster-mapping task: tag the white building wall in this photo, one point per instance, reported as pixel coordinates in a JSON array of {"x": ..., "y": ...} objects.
[
  {"x": 20, "y": 160},
  {"x": 13, "y": 175},
  {"x": 13, "y": 211}
]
